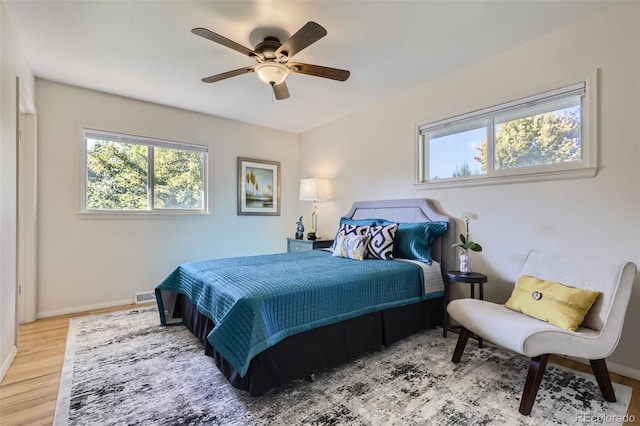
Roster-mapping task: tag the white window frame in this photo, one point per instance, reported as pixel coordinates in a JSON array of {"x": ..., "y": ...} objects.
[
  {"x": 150, "y": 142},
  {"x": 586, "y": 167}
]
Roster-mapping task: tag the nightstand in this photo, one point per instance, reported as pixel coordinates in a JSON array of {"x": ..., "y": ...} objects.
[
  {"x": 303, "y": 245},
  {"x": 472, "y": 279}
]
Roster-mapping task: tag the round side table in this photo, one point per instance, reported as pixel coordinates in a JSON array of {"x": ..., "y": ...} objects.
[{"x": 472, "y": 279}]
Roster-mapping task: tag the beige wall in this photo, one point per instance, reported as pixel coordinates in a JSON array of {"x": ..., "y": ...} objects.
[
  {"x": 370, "y": 155},
  {"x": 85, "y": 261},
  {"x": 12, "y": 64}
]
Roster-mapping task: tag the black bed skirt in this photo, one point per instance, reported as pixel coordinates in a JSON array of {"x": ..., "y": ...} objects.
[{"x": 302, "y": 354}]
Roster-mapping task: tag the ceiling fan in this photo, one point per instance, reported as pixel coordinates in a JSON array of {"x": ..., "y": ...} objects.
[{"x": 273, "y": 58}]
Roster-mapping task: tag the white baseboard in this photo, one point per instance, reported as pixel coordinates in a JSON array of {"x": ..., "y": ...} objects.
[
  {"x": 77, "y": 309},
  {"x": 631, "y": 373},
  {"x": 7, "y": 362}
]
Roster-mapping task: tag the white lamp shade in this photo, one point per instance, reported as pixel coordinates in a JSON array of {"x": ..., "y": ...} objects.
[
  {"x": 314, "y": 189},
  {"x": 272, "y": 73}
]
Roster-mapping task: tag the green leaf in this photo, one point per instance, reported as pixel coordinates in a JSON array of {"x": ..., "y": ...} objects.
[
  {"x": 463, "y": 239},
  {"x": 474, "y": 246}
]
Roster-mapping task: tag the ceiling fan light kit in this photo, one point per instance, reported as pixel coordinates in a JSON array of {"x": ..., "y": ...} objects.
[
  {"x": 271, "y": 72},
  {"x": 273, "y": 57}
]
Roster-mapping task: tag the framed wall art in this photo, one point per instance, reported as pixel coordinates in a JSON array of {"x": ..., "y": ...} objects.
[{"x": 258, "y": 187}]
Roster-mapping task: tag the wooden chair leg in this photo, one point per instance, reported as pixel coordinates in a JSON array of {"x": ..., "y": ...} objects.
[
  {"x": 462, "y": 343},
  {"x": 599, "y": 367},
  {"x": 537, "y": 367}
]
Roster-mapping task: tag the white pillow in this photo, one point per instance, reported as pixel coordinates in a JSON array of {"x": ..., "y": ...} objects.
[
  {"x": 351, "y": 246},
  {"x": 346, "y": 229}
]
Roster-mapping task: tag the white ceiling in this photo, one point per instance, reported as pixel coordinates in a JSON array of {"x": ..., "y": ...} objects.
[{"x": 145, "y": 49}]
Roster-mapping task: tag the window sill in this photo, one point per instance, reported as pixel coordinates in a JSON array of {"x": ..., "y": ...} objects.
[
  {"x": 509, "y": 177},
  {"x": 99, "y": 215}
]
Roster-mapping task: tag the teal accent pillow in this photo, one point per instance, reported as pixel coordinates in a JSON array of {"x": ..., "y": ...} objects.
[
  {"x": 413, "y": 240},
  {"x": 363, "y": 222}
]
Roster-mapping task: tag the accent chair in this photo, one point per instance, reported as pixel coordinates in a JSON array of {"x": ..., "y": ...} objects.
[{"x": 595, "y": 338}]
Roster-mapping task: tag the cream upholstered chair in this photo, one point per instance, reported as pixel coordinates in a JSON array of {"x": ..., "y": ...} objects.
[{"x": 595, "y": 339}]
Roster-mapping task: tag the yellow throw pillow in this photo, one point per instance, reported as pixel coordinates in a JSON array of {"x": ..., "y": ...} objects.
[{"x": 550, "y": 301}]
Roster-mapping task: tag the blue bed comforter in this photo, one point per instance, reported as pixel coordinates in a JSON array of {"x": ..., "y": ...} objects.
[{"x": 257, "y": 301}]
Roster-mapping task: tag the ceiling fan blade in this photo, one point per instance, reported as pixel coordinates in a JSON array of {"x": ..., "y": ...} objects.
[
  {"x": 217, "y": 38},
  {"x": 280, "y": 90},
  {"x": 306, "y": 36},
  {"x": 319, "y": 71},
  {"x": 227, "y": 74}
]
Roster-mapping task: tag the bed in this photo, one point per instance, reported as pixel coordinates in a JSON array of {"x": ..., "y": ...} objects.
[{"x": 267, "y": 320}]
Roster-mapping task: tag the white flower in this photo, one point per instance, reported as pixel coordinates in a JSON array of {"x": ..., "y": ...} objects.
[
  {"x": 465, "y": 243},
  {"x": 467, "y": 216}
]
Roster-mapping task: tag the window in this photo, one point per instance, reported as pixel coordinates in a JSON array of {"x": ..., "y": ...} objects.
[
  {"x": 548, "y": 135},
  {"x": 125, "y": 173}
]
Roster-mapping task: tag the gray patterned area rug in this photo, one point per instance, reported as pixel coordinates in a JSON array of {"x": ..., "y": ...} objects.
[{"x": 124, "y": 369}]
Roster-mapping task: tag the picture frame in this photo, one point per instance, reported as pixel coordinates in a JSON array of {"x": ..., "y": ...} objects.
[{"x": 258, "y": 187}]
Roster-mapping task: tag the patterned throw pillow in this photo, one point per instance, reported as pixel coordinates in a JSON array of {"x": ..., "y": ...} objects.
[
  {"x": 351, "y": 246},
  {"x": 380, "y": 244},
  {"x": 346, "y": 229},
  {"x": 360, "y": 223}
]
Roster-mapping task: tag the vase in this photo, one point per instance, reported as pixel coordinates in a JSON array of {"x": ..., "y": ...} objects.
[{"x": 465, "y": 262}]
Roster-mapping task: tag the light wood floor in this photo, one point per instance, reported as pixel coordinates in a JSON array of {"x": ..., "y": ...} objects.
[{"x": 30, "y": 387}]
